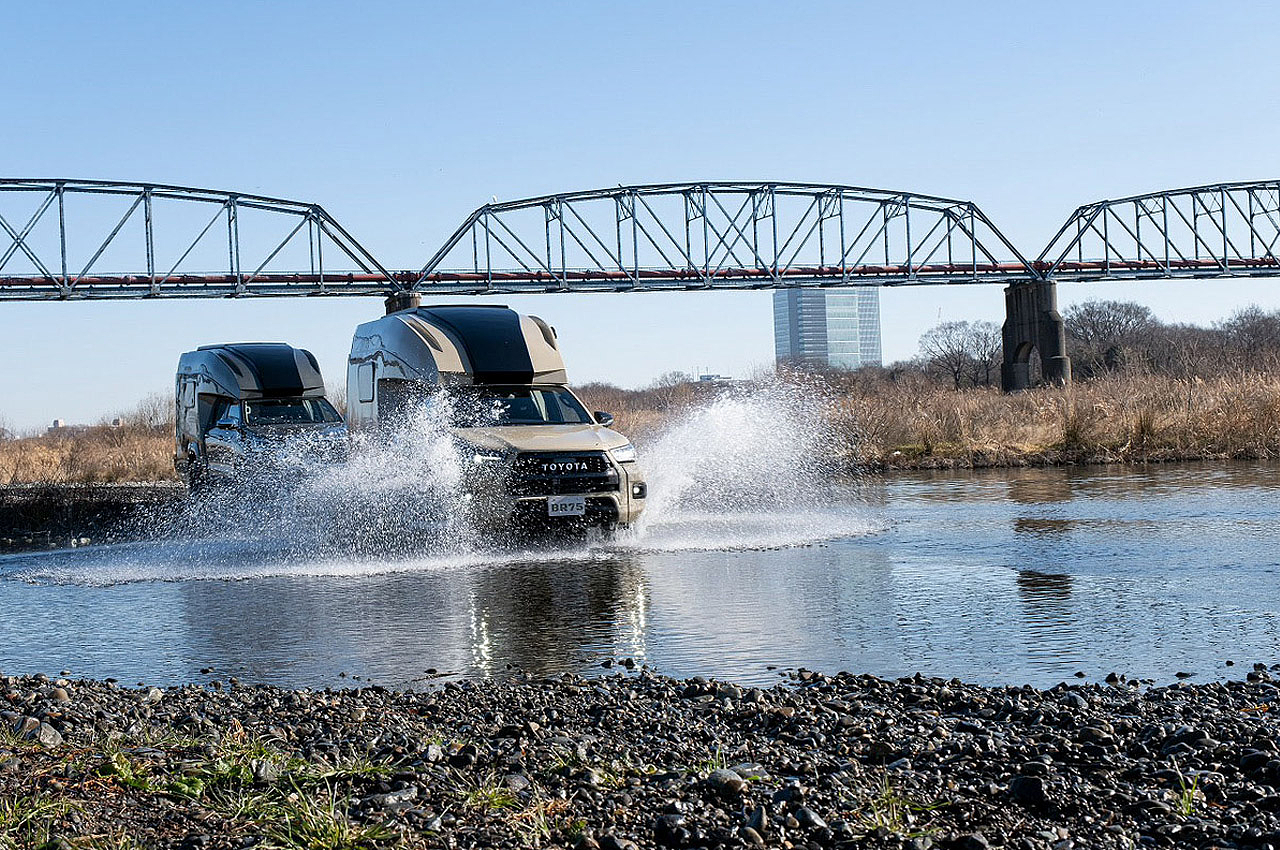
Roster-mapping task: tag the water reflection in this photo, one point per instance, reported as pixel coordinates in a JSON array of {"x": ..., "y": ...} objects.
[
  {"x": 1019, "y": 576},
  {"x": 1043, "y": 487},
  {"x": 1041, "y": 525},
  {"x": 543, "y": 616},
  {"x": 1053, "y": 640},
  {"x": 552, "y": 616},
  {"x": 1043, "y": 590}
]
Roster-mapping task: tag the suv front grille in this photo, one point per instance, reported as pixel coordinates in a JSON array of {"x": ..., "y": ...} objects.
[
  {"x": 559, "y": 473},
  {"x": 561, "y": 464}
]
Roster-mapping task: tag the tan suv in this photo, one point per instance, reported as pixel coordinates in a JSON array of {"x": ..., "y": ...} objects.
[{"x": 533, "y": 454}]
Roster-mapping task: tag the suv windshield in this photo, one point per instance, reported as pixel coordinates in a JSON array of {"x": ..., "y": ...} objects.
[
  {"x": 478, "y": 407},
  {"x": 289, "y": 411}
]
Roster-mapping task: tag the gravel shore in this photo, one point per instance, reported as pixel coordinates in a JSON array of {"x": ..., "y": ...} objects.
[{"x": 634, "y": 759}]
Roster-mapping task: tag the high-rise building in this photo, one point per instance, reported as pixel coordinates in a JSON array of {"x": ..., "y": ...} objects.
[{"x": 832, "y": 328}]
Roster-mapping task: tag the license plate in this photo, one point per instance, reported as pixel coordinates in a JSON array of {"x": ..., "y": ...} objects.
[{"x": 566, "y": 505}]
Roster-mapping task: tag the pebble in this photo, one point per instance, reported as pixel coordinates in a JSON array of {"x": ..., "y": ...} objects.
[
  {"x": 394, "y": 799},
  {"x": 726, "y": 781},
  {"x": 1027, "y": 789},
  {"x": 620, "y": 760}
]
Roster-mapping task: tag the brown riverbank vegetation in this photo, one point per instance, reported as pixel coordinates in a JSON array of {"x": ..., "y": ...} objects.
[
  {"x": 912, "y": 421},
  {"x": 136, "y": 446},
  {"x": 1146, "y": 391}
]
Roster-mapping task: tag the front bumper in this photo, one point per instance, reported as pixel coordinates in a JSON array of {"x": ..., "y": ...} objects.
[{"x": 517, "y": 491}]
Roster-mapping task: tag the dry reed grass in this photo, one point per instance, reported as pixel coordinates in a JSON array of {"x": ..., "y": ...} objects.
[
  {"x": 94, "y": 455},
  {"x": 909, "y": 422},
  {"x": 913, "y": 422}
]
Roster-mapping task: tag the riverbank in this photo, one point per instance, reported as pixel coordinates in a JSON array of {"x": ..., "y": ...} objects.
[
  {"x": 59, "y": 516},
  {"x": 634, "y": 759},
  {"x": 875, "y": 422},
  {"x": 871, "y": 422}
]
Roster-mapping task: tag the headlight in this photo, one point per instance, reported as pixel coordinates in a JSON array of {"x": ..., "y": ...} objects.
[
  {"x": 624, "y": 454},
  {"x": 483, "y": 458}
]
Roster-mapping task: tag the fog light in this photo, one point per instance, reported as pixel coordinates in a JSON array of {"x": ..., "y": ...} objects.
[{"x": 638, "y": 490}]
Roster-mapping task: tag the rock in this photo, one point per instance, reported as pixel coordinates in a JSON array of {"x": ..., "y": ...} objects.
[
  {"x": 465, "y": 756},
  {"x": 809, "y": 819},
  {"x": 750, "y": 771},
  {"x": 1094, "y": 735},
  {"x": 615, "y": 842},
  {"x": 1076, "y": 701},
  {"x": 758, "y": 820},
  {"x": 1075, "y": 765},
  {"x": 57, "y": 843},
  {"x": 394, "y": 799},
  {"x": 670, "y": 831},
  {"x": 40, "y": 732},
  {"x": 264, "y": 772},
  {"x": 517, "y": 782},
  {"x": 47, "y": 736},
  {"x": 59, "y": 695},
  {"x": 152, "y": 696},
  {"x": 726, "y": 782},
  {"x": 1027, "y": 789}
]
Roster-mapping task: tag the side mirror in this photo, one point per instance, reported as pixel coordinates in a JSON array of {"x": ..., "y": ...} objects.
[
  {"x": 227, "y": 423},
  {"x": 602, "y": 418}
]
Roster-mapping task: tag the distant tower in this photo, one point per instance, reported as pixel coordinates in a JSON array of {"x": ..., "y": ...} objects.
[{"x": 832, "y": 328}]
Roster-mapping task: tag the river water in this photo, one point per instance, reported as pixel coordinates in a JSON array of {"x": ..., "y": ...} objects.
[{"x": 1007, "y": 576}]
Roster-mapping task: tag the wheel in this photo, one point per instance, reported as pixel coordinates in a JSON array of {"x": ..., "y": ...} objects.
[{"x": 197, "y": 477}]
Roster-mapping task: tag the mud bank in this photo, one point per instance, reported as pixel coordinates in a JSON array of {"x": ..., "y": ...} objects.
[{"x": 39, "y": 516}]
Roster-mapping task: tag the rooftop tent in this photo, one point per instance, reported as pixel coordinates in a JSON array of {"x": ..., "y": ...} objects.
[
  {"x": 256, "y": 369},
  {"x": 462, "y": 344}
]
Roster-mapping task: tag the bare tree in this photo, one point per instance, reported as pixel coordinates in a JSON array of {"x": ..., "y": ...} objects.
[
  {"x": 154, "y": 412},
  {"x": 1105, "y": 336},
  {"x": 1252, "y": 331},
  {"x": 986, "y": 345},
  {"x": 965, "y": 352}
]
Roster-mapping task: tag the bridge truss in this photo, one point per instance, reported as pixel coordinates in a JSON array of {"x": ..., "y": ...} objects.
[
  {"x": 68, "y": 239},
  {"x": 721, "y": 236},
  {"x": 74, "y": 239},
  {"x": 1220, "y": 230}
]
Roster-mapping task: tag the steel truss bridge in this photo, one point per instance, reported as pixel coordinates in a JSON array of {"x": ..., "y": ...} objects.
[
  {"x": 85, "y": 239},
  {"x": 90, "y": 239}
]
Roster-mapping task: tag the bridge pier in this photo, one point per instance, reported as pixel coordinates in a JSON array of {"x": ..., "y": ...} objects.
[{"x": 1033, "y": 327}]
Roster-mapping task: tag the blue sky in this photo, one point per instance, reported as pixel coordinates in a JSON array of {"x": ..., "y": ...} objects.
[{"x": 402, "y": 117}]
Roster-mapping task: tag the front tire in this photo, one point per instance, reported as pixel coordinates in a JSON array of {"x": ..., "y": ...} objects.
[{"x": 197, "y": 477}]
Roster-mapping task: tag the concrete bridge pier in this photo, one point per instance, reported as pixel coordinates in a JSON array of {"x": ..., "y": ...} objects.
[{"x": 1033, "y": 328}]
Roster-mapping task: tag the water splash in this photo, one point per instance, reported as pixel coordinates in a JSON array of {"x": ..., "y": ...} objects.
[
  {"x": 750, "y": 468},
  {"x": 746, "y": 469}
]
